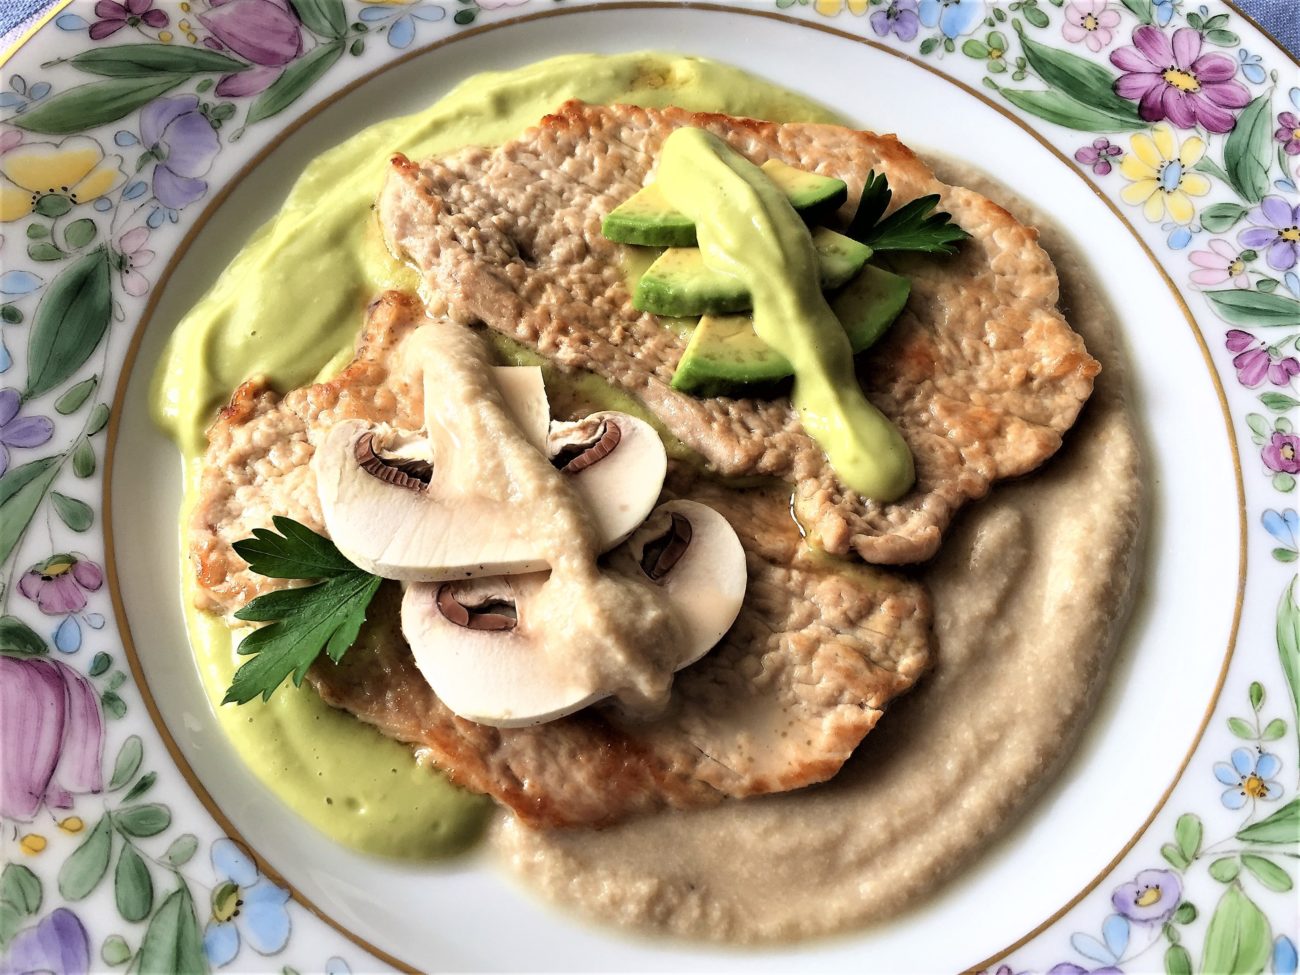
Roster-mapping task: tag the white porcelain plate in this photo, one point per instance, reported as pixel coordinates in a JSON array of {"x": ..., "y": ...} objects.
[{"x": 1209, "y": 308}]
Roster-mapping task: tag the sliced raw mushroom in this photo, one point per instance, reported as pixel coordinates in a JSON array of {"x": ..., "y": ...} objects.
[
  {"x": 525, "y": 398},
  {"x": 472, "y": 642},
  {"x": 692, "y": 552},
  {"x": 618, "y": 465}
]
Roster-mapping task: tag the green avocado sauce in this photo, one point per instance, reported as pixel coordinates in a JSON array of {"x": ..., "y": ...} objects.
[
  {"x": 748, "y": 229},
  {"x": 351, "y": 783}
]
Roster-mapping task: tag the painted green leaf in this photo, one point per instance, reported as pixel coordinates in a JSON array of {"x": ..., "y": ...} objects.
[
  {"x": 21, "y": 492},
  {"x": 98, "y": 419},
  {"x": 1035, "y": 16},
  {"x": 83, "y": 459},
  {"x": 1185, "y": 914},
  {"x": 1241, "y": 729},
  {"x": 1178, "y": 961},
  {"x": 19, "y": 639},
  {"x": 70, "y": 322},
  {"x": 86, "y": 106},
  {"x": 295, "y": 80},
  {"x": 1248, "y": 148},
  {"x": 44, "y": 250},
  {"x": 1282, "y": 826},
  {"x": 1063, "y": 110},
  {"x": 75, "y": 398},
  {"x": 11, "y": 921},
  {"x": 1275, "y": 729},
  {"x": 1288, "y": 646},
  {"x": 1219, "y": 217},
  {"x": 975, "y": 49},
  {"x": 21, "y": 888},
  {"x": 1079, "y": 78},
  {"x": 76, "y": 514},
  {"x": 1238, "y": 940},
  {"x": 171, "y": 942},
  {"x": 112, "y": 704},
  {"x": 1254, "y": 309},
  {"x": 1224, "y": 38},
  {"x": 1285, "y": 554},
  {"x": 1266, "y": 872},
  {"x": 80, "y": 233},
  {"x": 1279, "y": 402},
  {"x": 11, "y": 314},
  {"x": 151, "y": 60},
  {"x": 132, "y": 885},
  {"x": 128, "y": 761},
  {"x": 1225, "y": 869},
  {"x": 82, "y": 872},
  {"x": 182, "y": 850},
  {"x": 325, "y": 17},
  {"x": 115, "y": 951},
  {"x": 1187, "y": 831},
  {"x": 1174, "y": 856},
  {"x": 1256, "y": 691},
  {"x": 100, "y": 663},
  {"x": 148, "y": 819},
  {"x": 141, "y": 787}
]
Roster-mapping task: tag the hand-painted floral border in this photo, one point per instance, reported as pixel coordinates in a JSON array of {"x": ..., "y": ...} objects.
[{"x": 113, "y": 144}]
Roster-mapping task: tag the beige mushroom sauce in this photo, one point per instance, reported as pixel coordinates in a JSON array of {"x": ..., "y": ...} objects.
[{"x": 1031, "y": 588}]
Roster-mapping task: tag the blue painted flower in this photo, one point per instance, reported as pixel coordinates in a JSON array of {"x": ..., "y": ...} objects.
[
  {"x": 337, "y": 966},
  {"x": 1249, "y": 777},
  {"x": 1164, "y": 10},
  {"x": 402, "y": 30},
  {"x": 1285, "y": 527},
  {"x": 243, "y": 903},
  {"x": 953, "y": 17},
  {"x": 1252, "y": 67},
  {"x": 1284, "y": 956}
]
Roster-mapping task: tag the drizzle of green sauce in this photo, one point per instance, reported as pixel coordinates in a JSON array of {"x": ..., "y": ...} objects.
[
  {"x": 295, "y": 326},
  {"x": 748, "y": 229}
]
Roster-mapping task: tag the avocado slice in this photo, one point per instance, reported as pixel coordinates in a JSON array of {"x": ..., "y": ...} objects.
[
  {"x": 679, "y": 283},
  {"x": 647, "y": 219},
  {"x": 725, "y": 356}
]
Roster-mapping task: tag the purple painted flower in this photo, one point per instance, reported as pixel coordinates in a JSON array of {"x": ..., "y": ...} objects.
[
  {"x": 1070, "y": 968},
  {"x": 53, "y": 736},
  {"x": 1288, "y": 133},
  {"x": 59, "y": 585},
  {"x": 19, "y": 431},
  {"x": 1282, "y": 453},
  {"x": 1277, "y": 227},
  {"x": 1250, "y": 775},
  {"x": 183, "y": 141},
  {"x": 1222, "y": 263},
  {"x": 1172, "y": 79},
  {"x": 114, "y": 16},
  {"x": 1255, "y": 361},
  {"x": 265, "y": 32},
  {"x": 58, "y": 945},
  {"x": 1098, "y": 155},
  {"x": 899, "y": 18},
  {"x": 1150, "y": 898}
]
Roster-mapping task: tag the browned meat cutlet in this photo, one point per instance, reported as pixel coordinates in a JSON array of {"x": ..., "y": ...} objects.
[
  {"x": 981, "y": 373},
  {"x": 818, "y": 651}
]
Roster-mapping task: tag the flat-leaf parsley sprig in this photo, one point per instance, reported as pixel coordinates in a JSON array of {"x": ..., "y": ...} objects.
[
  {"x": 302, "y": 621},
  {"x": 912, "y": 227}
]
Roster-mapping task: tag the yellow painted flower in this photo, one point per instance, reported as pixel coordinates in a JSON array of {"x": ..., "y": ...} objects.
[
  {"x": 1161, "y": 174},
  {"x": 32, "y": 844},
  {"x": 73, "y": 824},
  {"x": 832, "y": 8},
  {"x": 53, "y": 178}
]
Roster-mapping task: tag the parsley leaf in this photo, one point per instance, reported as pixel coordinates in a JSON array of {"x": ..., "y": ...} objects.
[
  {"x": 912, "y": 227},
  {"x": 302, "y": 621}
]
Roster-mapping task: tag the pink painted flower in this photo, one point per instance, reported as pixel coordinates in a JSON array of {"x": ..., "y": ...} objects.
[
  {"x": 1098, "y": 155},
  {"x": 266, "y": 32},
  {"x": 58, "y": 585},
  {"x": 1288, "y": 133},
  {"x": 1222, "y": 262},
  {"x": 1282, "y": 453},
  {"x": 51, "y": 736},
  {"x": 10, "y": 139},
  {"x": 132, "y": 255},
  {"x": 1172, "y": 79},
  {"x": 1255, "y": 361},
  {"x": 1090, "y": 21},
  {"x": 114, "y": 16}
]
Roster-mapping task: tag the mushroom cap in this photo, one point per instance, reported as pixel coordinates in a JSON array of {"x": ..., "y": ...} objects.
[{"x": 619, "y": 481}]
